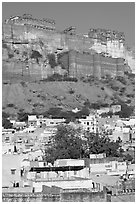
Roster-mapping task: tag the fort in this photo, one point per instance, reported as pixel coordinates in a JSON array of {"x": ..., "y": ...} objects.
[{"x": 99, "y": 53}]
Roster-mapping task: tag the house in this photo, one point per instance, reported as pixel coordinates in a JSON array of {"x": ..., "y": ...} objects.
[
  {"x": 89, "y": 123},
  {"x": 54, "y": 122},
  {"x": 7, "y": 148},
  {"x": 103, "y": 110},
  {"x": 19, "y": 125},
  {"x": 46, "y": 135},
  {"x": 76, "y": 110},
  {"x": 7, "y": 138},
  {"x": 115, "y": 108},
  {"x": 11, "y": 170},
  {"x": 122, "y": 133},
  {"x": 32, "y": 120},
  {"x": 108, "y": 167},
  {"x": 110, "y": 182},
  {"x": 72, "y": 184}
]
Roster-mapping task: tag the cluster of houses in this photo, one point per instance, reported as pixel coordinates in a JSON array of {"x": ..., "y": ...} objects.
[
  {"x": 38, "y": 129},
  {"x": 23, "y": 165}
]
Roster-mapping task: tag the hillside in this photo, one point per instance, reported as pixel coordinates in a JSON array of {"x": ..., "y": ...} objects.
[{"x": 40, "y": 96}]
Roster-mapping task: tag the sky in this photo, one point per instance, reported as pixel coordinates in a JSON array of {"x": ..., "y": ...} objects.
[{"x": 118, "y": 16}]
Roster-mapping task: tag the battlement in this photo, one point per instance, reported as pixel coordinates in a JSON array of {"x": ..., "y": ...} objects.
[
  {"x": 105, "y": 35},
  {"x": 28, "y": 20}
]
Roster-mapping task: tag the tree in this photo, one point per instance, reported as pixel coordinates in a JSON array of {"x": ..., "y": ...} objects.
[
  {"x": 126, "y": 111},
  {"x": 52, "y": 60},
  {"x": 6, "y": 123},
  {"x": 22, "y": 116},
  {"x": 97, "y": 144},
  {"x": 36, "y": 55},
  {"x": 66, "y": 144}
]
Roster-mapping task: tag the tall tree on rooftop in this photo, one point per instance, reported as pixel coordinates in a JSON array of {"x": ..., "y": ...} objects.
[
  {"x": 66, "y": 144},
  {"x": 97, "y": 144}
]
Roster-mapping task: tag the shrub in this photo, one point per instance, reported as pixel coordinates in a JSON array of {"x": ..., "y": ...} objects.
[
  {"x": 52, "y": 61},
  {"x": 130, "y": 95},
  {"x": 71, "y": 91},
  {"x": 10, "y": 105},
  {"x": 10, "y": 55},
  {"x": 23, "y": 116},
  {"x": 29, "y": 100},
  {"x": 121, "y": 79},
  {"x": 87, "y": 103},
  {"x": 23, "y": 83},
  {"x": 38, "y": 104},
  {"x": 122, "y": 89},
  {"x": 6, "y": 123},
  {"x": 102, "y": 88},
  {"x": 36, "y": 55},
  {"x": 5, "y": 115}
]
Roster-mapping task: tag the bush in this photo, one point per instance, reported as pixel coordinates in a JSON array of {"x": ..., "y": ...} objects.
[
  {"x": 121, "y": 79},
  {"x": 126, "y": 111},
  {"x": 5, "y": 115},
  {"x": 95, "y": 105},
  {"x": 6, "y": 123},
  {"x": 87, "y": 103},
  {"x": 102, "y": 88},
  {"x": 10, "y": 105},
  {"x": 23, "y": 83},
  {"x": 36, "y": 55},
  {"x": 52, "y": 61},
  {"x": 38, "y": 104},
  {"x": 122, "y": 89},
  {"x": 10, "y": 55},
  {"x": 22, "y": 116},
  {"x": 71, "y": 91},
  {"x": 130, "y": 95},
  {"x": 115, "y": 88},
  {"x": 29, "y": 100}
]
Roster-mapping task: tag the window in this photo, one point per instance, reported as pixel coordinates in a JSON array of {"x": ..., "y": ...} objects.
[
  {"x": 51, "y": 122},
  {"x": 7, "y": 138},
  {"x": 13, "y": 171},
  {"x": 87, "y": 123}
]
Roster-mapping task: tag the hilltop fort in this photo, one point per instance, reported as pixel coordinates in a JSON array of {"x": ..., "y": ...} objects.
[{"x": 36, "y": 48}]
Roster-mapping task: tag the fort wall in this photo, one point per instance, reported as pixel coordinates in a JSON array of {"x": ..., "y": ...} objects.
[
  {"x": 81, "y": 54},
  {"x": 92, "y": 65}
]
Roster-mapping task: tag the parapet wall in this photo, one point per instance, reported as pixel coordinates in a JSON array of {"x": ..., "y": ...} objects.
[{"x": 63, "y": 197}]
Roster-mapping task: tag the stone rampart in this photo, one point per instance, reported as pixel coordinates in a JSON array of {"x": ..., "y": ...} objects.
[{"x": 81, "y": 64}]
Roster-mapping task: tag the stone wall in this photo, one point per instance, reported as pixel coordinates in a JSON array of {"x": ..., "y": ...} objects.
[
  {"x": 83, "y": 197},
  {"x": 63, "y": 197},
  {"x": 29, "y": 197}
]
